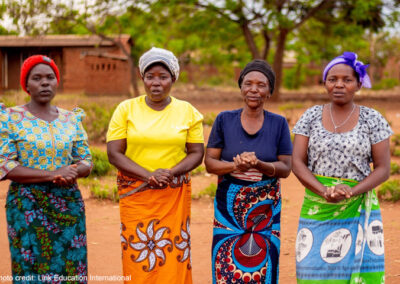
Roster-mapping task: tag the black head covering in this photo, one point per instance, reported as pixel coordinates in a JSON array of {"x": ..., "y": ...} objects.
[{"x": 260, "y": 66}]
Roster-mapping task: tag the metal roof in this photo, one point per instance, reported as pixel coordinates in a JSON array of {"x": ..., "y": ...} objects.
[{"x": 59, "y": 40}]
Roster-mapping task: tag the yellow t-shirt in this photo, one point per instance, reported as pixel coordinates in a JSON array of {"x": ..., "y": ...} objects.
[{"x": 156, "y": 139}]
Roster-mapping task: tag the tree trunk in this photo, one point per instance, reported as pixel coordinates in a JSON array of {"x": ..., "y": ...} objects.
[
  {"x": 250, "y": 40},
  {"x": 278, "y": 62},
  {"x": 132, "y": 68},
  {"x": 267, "y": 44},
  {"x": 134, "y": 79}
]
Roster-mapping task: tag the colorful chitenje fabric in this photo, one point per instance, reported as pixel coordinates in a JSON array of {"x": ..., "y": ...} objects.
[
  {"x": 47, "y": 233},
  {"x": 246, "y": 234},
  {"x": 340, "y": 242},
  {"x": 155, "y": 231},
  {"x": 46, "y": 223}
]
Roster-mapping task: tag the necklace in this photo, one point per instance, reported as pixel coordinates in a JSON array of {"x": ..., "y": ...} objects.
[{"x": 344, "y": 122}]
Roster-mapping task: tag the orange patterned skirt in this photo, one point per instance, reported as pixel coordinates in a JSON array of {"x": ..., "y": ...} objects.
[{"x": 155, "y": 233}]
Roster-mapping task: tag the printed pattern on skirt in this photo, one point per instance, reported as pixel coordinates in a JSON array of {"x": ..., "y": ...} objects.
[
  {"x": 340, "y": 242},
  {"x": 246, "y": 235}
]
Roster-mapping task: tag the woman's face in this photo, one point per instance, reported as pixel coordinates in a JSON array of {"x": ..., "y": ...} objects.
[
  {"x": 157, "y": 82},
  {"x": 341, "y": 84},
  {"x": 42, "y": 84},
  {"x": 255, "y": 89}
]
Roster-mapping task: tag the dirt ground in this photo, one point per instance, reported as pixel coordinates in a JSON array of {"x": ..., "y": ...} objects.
[{"x": 104, "y": 251}]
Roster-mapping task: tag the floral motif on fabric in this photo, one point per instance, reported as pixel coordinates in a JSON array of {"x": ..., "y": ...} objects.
[
  {"x": 184, "y": 245},
  {"x": 35, "y": 143},
  {"x": 46, "y": 231},
  {"x": 124, "y": 241},
  {"x": 151, "y": 245}
]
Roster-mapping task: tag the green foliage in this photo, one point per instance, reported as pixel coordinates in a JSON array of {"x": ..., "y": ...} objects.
[
  {"x": 209, "y": 191},
  {"x": 390, "y": 190},
  {"x": 183, "y": 77},
  {"x": 290, "y": 106},
  {"x": 293, "y": 77},
  {"x": 197, "y": 171},
  {"x": 209, "y": 118},
  {"x": 99, "y": 189},
  {"x": 396, "y": 152},
  {"x": 396, "y": 145},
  {"x": 396, "y": 139},
  {"x": 96, "y": 121},
  {"x": 224, "y": 34},
  {"x": 394, "y": 168},
  {"x": 387, "y": 83},
  {"x": 8, "y": 102},
  {"x": 101, "y": 165}
]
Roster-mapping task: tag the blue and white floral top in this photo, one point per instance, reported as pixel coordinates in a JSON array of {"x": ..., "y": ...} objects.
[
  {"x": 35, "y": 143},
  {"x": 342, "y": 155}
]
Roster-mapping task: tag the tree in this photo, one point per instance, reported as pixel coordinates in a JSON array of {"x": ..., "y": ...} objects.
[{"x": 266, "y": 24}]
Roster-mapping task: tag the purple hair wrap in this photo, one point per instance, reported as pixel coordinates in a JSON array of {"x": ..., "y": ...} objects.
[{"x": 350, "y": 58}]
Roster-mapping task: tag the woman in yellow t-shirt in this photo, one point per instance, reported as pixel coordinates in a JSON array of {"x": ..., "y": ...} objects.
[{"x": 155, "y": 141}]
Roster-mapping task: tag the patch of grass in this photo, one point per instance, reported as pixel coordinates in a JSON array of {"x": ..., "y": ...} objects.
[
  {"x": 97, "y": 120},
  {"x": 386, "y": 83},
  {"x": 101, "y": 165},
  {"x": 288, "y": 110},
  {"x": 396, "y": 152},
  {"x": 209, "y": 118},
  {"x": 99, "y": 189},
  {"x": 8, "y": 102},
  {"x": 209, "y": 191},
  {"x": 390, "y": 190},
  {"x": 198, "y": 171},
  {"x": 396, "y": 139},
  {"x": 394, "y": 168}
]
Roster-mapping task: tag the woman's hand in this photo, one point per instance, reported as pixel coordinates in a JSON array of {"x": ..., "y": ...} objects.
[
  {"x": 243, "y": 162},
  {"x": 250, "y": 157},
  {"x": 160, "y": 177},
  {"x": 335, "y": 194},
  {"x": 66, "y": 176}
]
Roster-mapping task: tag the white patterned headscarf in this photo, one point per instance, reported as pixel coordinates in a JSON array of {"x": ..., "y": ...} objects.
[{"x": 159, "y": 55}]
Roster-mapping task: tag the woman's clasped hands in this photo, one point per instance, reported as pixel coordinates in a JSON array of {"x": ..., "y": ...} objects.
[
  {"x": 160, "y": 177},
  {"x": 245, "y": 161},
  {"x": 337, "y": 193},
  {"x": 66, "y": 176}
]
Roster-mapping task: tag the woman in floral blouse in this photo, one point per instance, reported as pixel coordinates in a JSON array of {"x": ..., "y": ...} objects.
[
  {"x": 43, "y": 151},
  {"x": 340, "y": 234}
]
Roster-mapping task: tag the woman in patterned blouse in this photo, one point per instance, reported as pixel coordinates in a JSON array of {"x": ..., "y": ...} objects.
[
  {"x": 340, "y": 234},
  {"x": 44, "y": 150}
]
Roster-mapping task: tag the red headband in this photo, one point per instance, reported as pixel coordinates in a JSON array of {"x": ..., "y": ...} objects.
[{"x": 31, "y": 62}]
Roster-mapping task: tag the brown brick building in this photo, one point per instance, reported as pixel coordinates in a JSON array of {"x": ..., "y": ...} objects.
[{"x": 88, "y": 64}]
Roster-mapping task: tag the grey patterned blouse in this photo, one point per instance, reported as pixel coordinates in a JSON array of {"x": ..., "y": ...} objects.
[{"x": 342, "y": 155}]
